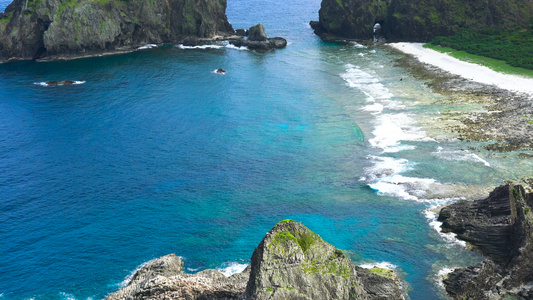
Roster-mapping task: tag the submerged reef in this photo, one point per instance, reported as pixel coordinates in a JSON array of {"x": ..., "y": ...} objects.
[
  {"x": 501, "y": 228},
  {"x": 417, "y": 21},
  {"x": 291, "y": 262}
]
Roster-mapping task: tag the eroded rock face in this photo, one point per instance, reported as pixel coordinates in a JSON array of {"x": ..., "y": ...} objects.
[
  {"x": 57, "y": 29},
  {"x": 418, "y": 21},
  {"x": 291, "y": 262},
  {"x": 501, "y": 227},
  {"x": 163, "y": 278},
  {"x": 488, "y": 224}
]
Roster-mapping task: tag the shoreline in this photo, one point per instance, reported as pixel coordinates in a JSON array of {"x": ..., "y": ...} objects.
[
  {"x": 466, "y": 70},
  {"x": 506, "y": 101}
]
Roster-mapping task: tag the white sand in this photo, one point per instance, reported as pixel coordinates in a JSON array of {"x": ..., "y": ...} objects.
[{"x": 466, "y": 70}]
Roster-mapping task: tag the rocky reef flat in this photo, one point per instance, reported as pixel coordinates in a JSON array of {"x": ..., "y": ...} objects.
[
  {"x": 504, "y": 102},
  {"x": 291, "y": 262},
  {"x": 500, "y": 227}
]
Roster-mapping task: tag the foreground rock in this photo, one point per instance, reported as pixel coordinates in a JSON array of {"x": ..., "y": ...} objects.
[
  {"x": 163, "y": 278},
  {"x": 418, "y": 21},
  {"x": 58, "y": 29},
  {"x": 500, "y": 227},
  {"x": 291, "y": 262},
  {"x": 258, "y": 40}
]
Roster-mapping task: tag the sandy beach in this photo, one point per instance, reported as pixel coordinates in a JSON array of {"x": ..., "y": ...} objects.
[{"x": 466, "y": 70}]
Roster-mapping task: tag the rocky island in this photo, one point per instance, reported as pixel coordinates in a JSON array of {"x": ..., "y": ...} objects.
[
  {"x": 501, "y": 228},
  {"x": 416, "y": 21},
  {"x": 63, "y": 29},
  {"x": 291, "y": 262}
]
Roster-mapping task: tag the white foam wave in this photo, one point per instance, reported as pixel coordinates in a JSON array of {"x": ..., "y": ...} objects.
[
  {"x": 391, "y": 129},
  {"x": 231, "y": 46},
  {"x": 202, "y": 47},
  {"x": 231, "y": 268},
  {"x": 357, "y": 45},
  {"x": 381, "y": 265},
  {"x": 370, "y": 85},
  {"x": 147, "y": 46},
  {"x": 459, "y": 155},
  {"x": 375, "y": 108},
  {"x": 407, "y": 188},
  {"x": 384, "y": 177},
  {"x": 436, "y": 225},
  {"x": 46, "y": 83},
  {"x": 128, "y": 278},
  {"x": 441, "y": 274},
  {"x": 193, "y": 269},
  {"x": 66, "y": 296}
]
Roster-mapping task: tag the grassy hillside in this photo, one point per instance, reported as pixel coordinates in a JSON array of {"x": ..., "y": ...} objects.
[{"x": 514, "y": 47}]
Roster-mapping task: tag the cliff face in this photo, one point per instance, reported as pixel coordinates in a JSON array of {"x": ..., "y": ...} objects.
[
  {"x": 501, "y": 227},
  {"x": 291, "y": 262},
  {"x": 419, "y": 20},
  {"x": 73, "y": 28}
]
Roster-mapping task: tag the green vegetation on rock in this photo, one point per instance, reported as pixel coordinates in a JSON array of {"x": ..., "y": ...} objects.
[{"x": 383, "y": 272}]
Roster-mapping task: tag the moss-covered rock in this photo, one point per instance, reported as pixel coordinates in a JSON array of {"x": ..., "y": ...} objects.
[
  {"x": 419, "y": 20},
  {"x": 74, "y": 28},
  {"x": 292, "y": 262}
]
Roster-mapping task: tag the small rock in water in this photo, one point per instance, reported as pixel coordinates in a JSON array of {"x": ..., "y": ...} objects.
[
  {"x": 61, "y": 82},
  {"x": 220, "y": 71}
]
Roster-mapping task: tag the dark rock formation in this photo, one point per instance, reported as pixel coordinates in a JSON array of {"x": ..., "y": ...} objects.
[
  {"x": 257, "y": 33},
  {"x": 62, "y": 29},
  {"x": 380, "y": 284},
  {"x": 417, "y": 20},
  {"x": 291, "y": 262},
  {"x": 220, "y": 71},
  {"x": 500, "y": 227},
  {"x": 258, "y": 40}
]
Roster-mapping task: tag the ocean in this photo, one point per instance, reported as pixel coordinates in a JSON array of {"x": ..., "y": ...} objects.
[{"x": 153, "y": 153}]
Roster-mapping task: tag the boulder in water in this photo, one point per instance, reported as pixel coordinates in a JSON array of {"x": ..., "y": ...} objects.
[{"x": 257, "y": 40}]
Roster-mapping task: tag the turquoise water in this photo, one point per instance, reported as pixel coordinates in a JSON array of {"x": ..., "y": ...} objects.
[{"x": 156, "y": 154}]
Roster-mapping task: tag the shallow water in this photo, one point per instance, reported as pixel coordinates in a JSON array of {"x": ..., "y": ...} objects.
[{"x": 156, "y": 154}]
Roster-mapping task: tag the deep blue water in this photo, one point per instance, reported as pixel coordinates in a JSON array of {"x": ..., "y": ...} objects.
[{"x": 156, "y": 154}]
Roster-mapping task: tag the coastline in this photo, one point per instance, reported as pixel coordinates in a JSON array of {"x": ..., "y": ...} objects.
[
  {"x": 470, "y": 71},
  {"x": 504, "y": 101}
]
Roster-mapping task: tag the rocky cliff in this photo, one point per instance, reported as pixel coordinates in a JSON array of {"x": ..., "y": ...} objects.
[
  {"x": 500, "y": 227},
  {"x": 419, "y": 20},
  {"x": 291, "y": 262},
  {"x": 56, "y": 29}
]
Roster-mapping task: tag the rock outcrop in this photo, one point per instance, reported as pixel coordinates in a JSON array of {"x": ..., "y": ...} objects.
[
  {"x": 500, "y": 227},
  {"x": 258, "y": 40},
  {"x": 417, "y": 21},
  {"x": 291, "y": 262},
  {"x": 163, "y": 278},
  {"x": 63, "y": 29}
]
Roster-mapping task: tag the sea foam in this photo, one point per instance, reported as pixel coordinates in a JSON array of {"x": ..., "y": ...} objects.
[
  {"x": 44, "y": 83},
  {"x": 393, "y": 126},
  {"x": 231, "y": 268},
  {"x": 148, "y": 46},
  {"x": 451, "y": 237}
]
